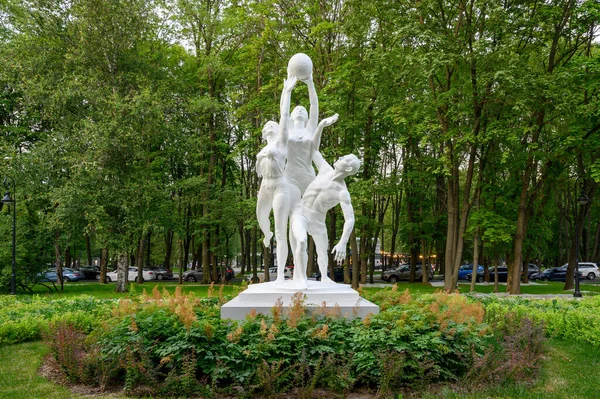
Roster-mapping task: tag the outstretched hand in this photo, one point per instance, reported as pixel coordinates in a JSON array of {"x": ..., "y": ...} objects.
[
  {"x": 340, "y": 252},
  {"x": 288, "y": 84},
  {"x": 329, "y": 121}
]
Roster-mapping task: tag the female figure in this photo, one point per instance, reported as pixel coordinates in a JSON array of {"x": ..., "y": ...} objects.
[
  {"x": 276, "y": 192},
  {"x": 304, "y": 141}
]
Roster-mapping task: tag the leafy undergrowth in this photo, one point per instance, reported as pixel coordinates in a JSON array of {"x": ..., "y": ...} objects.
[
  {"x": 176, "y": 345},
  {"x": 568, "y": 319},
  {"x": 27, "y": 319}
]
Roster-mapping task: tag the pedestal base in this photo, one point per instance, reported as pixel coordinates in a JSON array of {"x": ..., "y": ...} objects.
[{"x": 328, "y": 298}]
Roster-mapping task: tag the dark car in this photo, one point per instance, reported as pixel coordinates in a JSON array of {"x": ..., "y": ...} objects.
[
  {"x": 402, "y": 272},
  {"x": 338, "y": 275},
  {"x": 553, "y": 274},
  {"x": 531, "y": 270},
  {"x": 161, "y": 273},
  {"x": 467, "y": 269},
  {"x": 502, "y": 274},
  {"x": 89, "y": 271}
]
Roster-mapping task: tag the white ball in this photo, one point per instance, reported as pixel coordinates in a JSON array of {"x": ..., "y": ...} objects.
[{"x": 300, "y": 65}]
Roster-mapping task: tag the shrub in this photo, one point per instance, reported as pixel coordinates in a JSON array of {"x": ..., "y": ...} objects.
[
  {"x": 178, "y": 344},
  {"x": 514, "y": 353},
  {"x": 67, "y": 345},
  {"x": 27, "y": 319}
]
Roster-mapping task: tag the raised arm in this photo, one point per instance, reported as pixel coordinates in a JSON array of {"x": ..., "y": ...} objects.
[
  {"x": 313, "y": 115},
  {"x": 340, "y": 248},
  {"x": 320, "y": 162},
  {"x": 316, "y": 139},
  {"x": 284, "y": 108}
]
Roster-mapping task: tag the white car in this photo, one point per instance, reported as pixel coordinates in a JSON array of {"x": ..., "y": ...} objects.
[
  {"x": 132, "y": 276},
  {"x": 588, "y": 270},
  {"x": 287, "y": 274}
]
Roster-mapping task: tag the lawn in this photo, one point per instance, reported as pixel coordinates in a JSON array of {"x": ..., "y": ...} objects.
[
  {"x": 107, "y": 291},
  {"x": 569, "y": 371},
  {"x": 19, "y": 376}
]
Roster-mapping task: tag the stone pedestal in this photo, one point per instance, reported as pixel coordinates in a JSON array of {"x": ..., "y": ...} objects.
[{"x": 329, "y": 298}]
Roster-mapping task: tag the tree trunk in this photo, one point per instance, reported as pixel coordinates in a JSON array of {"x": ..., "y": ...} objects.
[
  {"x": 140, "y": 259},
  {"x": 103, "y": 265},
  {"x": 68, "y": 258},
  {"x": 266, "y": 262},
  {"x": 180, "y": 260},
  {"x": 122, "y": 272},
  {"x": 57, "y": 260},
  {"x": 310, "y": 265},
  {"x": 596, "y": 250},
  {"x": 253, "y": 246},
  {"x": 88, "y": 249},
  {"x": 169, "y": 235},
  {"x": 148, "y": 249}
]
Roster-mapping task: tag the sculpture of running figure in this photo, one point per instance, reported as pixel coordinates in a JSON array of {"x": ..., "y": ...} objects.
[
  {"x": 326, "y": 191},
  {"x": 275, "y": 190}
]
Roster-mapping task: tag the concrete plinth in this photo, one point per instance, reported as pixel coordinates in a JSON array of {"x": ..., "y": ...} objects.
[{"x": 329, "y": 298}]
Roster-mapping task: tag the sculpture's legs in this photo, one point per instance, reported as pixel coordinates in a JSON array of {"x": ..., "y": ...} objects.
[
  {"x": 294, "y": 192},
  {"x": 281, "y": 211},
  {"x": 263, "y": 209},
  {"x": 299, "y": 231},
  {"x": 321, "y": 243}
]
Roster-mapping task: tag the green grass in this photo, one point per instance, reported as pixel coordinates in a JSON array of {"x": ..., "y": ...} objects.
[
  {"x": 535, "y": 289},
  {"x": 19, "y": 377},
  {"x": 108, "y": 290},
  {"x": 569, "y": 371}
]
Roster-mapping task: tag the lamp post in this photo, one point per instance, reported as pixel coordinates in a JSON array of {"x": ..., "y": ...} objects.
[
  {"x": 582, "y": 200},
  {"x": 8, "y": 183}
]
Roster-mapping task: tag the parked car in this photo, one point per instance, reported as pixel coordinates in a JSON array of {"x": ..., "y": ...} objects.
[
  {"x": 338, "y": 275},
  {"x": 193, "y": 276},
  {"x": 501, "y": 270},
  {"x": 467, "y": 269},
  {"x": 588, "y": 270},
  {"x": 402, "y": 272},
  {"x": 89, "y": 271},
  {"x": 68, "y": 275},
  {"x": 531, "y": 270},
  {"x": 161, "y": 273},
  {"x": 131, "y": 276},
  {"x": 47, "y": 276},
  {"x": 72, "y": 274},
  {"x": 553, "y": 274},
  {"x": 287, "y": 274}
]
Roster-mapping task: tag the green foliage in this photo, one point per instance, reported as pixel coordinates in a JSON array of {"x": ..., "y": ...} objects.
[
  {"x": 565, "y": 319},
  {"x": 27, "y": 320},
  {"x": 178, "y": 344}
]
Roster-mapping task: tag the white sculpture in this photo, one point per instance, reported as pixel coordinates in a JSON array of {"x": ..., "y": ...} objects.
[
  {"x": 275, "y": 190},
  {"x": 326, "y": 191},
  {"x": 289, "y": 185},
  {"x": 285, "y": 165}
]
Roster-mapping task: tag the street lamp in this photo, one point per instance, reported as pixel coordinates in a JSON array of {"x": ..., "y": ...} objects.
[
  {"x": 582, "y": 200},
  {"x": 8, "y": 183}
]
